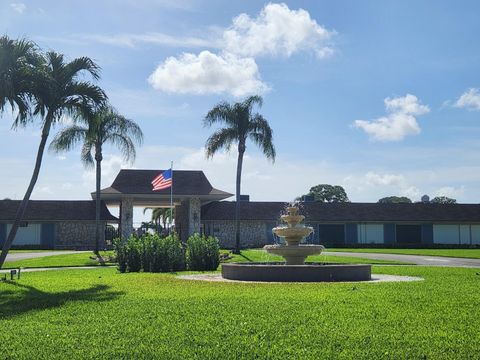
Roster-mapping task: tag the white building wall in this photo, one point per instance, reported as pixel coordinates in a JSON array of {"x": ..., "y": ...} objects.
[
  {"x": 29, "y": 235},
  {"x": 465, "y": 234},
  {"x": 370, "y": 233},
  {"x": 446, "y": 234},
  {"x": 476, "y": 234}
]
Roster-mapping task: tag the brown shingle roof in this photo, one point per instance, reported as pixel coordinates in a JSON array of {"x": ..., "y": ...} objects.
[
  {"x": 185, "y": 182},
  {"x": 348, "y": 212},
  {"x": 54, "y": 210}
]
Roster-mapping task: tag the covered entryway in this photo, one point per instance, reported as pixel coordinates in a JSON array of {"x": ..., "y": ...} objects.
[{"x": 190, "y": 190}]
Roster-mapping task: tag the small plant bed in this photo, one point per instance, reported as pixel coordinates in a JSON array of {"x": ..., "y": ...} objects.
[
  {"x": 107, "y": 315},
  {"x": 80, "y": 259},
  {"x": 459, "y": 253}
]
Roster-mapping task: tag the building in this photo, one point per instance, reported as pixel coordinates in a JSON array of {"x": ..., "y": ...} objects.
[
  {"x": 199, "y": 208},
  {"x": 350, "y": 224},
  {"x": 54, "y": 224}
]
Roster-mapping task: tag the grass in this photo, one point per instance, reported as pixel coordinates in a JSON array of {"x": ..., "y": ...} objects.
[
  {"x": 103, "y": 314},
  {"x": 460, "y": 253},
  {"x": 259, "y": 255},
  {"x": 80, "y": 259},
  {"x": 84, "y": 259}
]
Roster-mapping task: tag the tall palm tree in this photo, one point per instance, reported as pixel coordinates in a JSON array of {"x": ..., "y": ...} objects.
[
  {"x": 58, "y": 90},
  {"x": 104, "y": 126},
  {"x": 241, "y": 124}
]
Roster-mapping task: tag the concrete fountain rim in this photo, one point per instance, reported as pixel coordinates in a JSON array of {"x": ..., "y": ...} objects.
[{"x": 376, "y": 278}]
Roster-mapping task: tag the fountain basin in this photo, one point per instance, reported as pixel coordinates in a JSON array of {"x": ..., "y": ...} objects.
[
  {"x": 311, "y": 272},
  {"x": 294, "y": 254}
]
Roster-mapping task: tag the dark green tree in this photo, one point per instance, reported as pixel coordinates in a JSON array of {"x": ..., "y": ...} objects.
[
  {"x": 58, "y": 88},
  {"x": 443, "y": 200},
  {"x": 104, "y": 126},
  {"x": 240, "y": 124},
  {"x": 395, "y": 200},
  {"x": 327, "y": 193}
]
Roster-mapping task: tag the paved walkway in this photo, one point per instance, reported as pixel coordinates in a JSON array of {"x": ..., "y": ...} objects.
[
  {"x": 414, "y": 259},
  {"x": 38, "y": 254}
]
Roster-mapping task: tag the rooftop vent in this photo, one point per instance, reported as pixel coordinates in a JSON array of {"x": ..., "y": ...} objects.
[{"x": 425, "y": 199}]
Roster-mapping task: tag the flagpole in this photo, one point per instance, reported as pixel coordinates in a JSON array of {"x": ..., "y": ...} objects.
[{"x": 171, "y": 197}]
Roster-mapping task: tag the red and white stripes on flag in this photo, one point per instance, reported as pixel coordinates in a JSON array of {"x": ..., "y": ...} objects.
[{"x": 162, "y": 181}]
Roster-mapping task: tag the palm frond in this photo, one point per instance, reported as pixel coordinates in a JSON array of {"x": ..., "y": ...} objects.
[
  {"x": 220, "y": 139},
  {"x": 68, "y": 138}
]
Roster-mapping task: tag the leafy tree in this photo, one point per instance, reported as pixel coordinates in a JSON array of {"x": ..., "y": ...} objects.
[
  {"x": 104, "y": 126},
  {"x": 443, "y": 200},
  {"x": 57, "y": 89},
  {"x": 240, "y": 124},
  {"x": 395, "y": 200},
  {"x": 327, "y": 193}
]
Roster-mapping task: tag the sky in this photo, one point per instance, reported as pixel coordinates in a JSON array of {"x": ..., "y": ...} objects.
[{"x": 381, "y": 97}]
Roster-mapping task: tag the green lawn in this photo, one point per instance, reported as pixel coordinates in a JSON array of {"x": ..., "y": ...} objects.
[
  {"x": 80, "y": 259},
  {"x": 461, "y": 253},
  {"x": 259, "y": 255},
  {"x": 86, "y": 314},
  {"x": 83, "y": 259}
]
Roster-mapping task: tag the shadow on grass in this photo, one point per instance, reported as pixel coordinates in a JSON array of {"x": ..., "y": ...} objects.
[
  {"x": 245, "y": 257},
  {"x": 13, "y": 303}
]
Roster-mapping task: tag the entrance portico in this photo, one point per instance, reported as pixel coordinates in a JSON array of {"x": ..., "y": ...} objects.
[{"x": 191, "y": 189}]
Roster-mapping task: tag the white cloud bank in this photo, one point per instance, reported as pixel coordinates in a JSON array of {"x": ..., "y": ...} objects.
[
  {"x": 276, "y": 31},
  {"x": 399, "y": 122},
  {"x": 208, "y": 73},
  {"x": 470, "y": 100}
]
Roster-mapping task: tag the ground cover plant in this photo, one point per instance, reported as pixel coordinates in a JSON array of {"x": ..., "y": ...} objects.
[
  {"x": 102, "y": 313},
  {"x": 461, "y": 253}
]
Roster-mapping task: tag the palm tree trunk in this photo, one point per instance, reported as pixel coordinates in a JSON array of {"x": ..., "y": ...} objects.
[
  {"x": 98, "y": 178},
  {"x": 241, "y": 151},
  {"x": 23, "y": 205}
]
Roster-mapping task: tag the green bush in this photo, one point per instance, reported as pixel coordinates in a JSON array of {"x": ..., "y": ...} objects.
[
  {"x": 120, "y": 254},
  {"x": 134, "y": 248},
  {"x": 203, "y": 253},
  {"x": 151, "y": 253}
]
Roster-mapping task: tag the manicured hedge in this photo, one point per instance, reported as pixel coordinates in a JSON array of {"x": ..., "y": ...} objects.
[{"x": 153, "y": 253}]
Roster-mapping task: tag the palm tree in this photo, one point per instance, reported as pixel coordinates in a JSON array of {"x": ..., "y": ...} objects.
[
  {"x": 241, "y": 124},
  {"x": 161, "y": 214},
  {"x": 19, "y": 61},
  {"x": 104, "y": 126},
  {"x": 57, "y": 91}
]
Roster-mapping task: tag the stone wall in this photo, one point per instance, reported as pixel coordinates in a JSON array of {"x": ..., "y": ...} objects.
[
  {"x": 78, "y": 235},
  {"x": 254, "y": 234}
]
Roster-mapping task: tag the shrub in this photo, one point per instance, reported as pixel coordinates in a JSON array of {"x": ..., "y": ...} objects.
[
  {"x": 151, "y": 253},
  {"x": 134, "y": 254},
  {"x": 203, "y": 253},
  {"x": 120, "y": 253}
]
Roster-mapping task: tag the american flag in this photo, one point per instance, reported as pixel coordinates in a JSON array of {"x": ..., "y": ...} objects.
[{"x": 162, "y": 181}]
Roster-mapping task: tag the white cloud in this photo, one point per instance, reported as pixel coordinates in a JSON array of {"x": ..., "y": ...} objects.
[
  {"x": 450, "y": 191},
  {"x": 111, "y": 165},
  {"x": 156, "y": 38},
  {"x": 18, "y": 7},
  {"x": 208, "y": 73},
  {"x": 470, "y": 100},
  {"x": 385, "y": 179},
  {"x": 399, "y": 122},
  {"x": 277, "y": 30}
]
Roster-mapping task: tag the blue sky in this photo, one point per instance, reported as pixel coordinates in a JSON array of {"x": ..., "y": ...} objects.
[{"x": 380, "y": 97}]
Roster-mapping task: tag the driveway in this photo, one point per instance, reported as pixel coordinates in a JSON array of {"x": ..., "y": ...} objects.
[
  {"x": 414, "y": 259},
  {"x": 38, "y": 254}
]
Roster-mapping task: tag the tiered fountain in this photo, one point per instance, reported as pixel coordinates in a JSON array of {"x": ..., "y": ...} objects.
[
  {"x": 293, "y": 233},
  {"x": 294, "y": 268}
]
